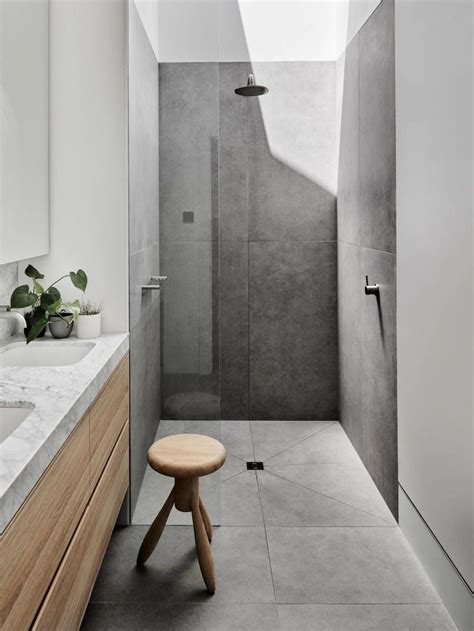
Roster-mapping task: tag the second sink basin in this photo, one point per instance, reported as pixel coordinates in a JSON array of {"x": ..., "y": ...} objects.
[
  {"x": 10, "y": 419},
  {"x": 43, "y": 354}
]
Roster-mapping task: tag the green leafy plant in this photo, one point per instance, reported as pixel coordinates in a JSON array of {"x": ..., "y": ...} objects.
[
  {"x": 45, "y": 302},
  {"x": 73, "y": 308},
  {"x": 90, "y": 308}
]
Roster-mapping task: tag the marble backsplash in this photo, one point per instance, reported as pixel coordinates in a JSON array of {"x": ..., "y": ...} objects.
[{"x": 8, "y": 282}]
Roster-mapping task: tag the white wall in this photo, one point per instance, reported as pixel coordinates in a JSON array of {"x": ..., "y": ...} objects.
[
  {"x": 435, "y": 270},
  {"x": 258, "y": 30},
  {"x": 88, "y": 160},
  {"x": 149, "y": 15},
  {"x": 24, "y": 88}
]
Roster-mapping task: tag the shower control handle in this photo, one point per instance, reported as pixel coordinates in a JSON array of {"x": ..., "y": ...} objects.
[{"x": 371, "y": 290}]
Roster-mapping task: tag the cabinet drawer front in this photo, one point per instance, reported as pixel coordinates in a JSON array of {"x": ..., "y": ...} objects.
[
  {"x": 108, "y": 415},
  {"x": 36, "y": 539},
  {"x": 67, "y": 599}
]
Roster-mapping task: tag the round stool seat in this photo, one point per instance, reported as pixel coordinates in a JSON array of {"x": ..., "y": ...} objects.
[{"x": 186, "y": 455}]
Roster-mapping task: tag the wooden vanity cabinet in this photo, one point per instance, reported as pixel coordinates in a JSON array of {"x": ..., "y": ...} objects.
[
  {"x": 52, "y": 549},
  {"x": 69, "y": 593},
  {"x": 111, "y": 404}
]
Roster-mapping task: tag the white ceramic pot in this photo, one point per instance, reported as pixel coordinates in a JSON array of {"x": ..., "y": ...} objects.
[{"x": 88, "y": 326}]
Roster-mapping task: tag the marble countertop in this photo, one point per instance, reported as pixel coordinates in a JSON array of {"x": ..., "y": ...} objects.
[{"x": 58, "y": 397}]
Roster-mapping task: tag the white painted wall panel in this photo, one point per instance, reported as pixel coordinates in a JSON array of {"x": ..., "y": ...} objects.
[
  {"x": 258, "y": 30},
  {"x": 435, "y": 267},
  {"x": 149, "y": 15},
  {"x": 24, "y": 133},
  {"x": 89, "y": 205}
]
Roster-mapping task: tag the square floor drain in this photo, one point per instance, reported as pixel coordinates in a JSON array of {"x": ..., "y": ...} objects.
[{"x": 253, "y": 466}]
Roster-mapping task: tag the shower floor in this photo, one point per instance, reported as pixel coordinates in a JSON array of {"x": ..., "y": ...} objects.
[{"x": 306, "y": 543}]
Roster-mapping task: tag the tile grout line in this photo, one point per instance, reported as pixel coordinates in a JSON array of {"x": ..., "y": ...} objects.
[
  {"x": 336, "y": 500},
  {"x": 221, "y": 482},
  {"x": 263, "y": 520},
  {"x": 266, "y": 539},
  {"x": 251, "y": 440},
  {"x": 299, "y": 441}
]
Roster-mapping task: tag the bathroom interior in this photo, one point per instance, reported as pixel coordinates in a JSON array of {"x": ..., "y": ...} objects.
[{"x": 249, "y": 404}]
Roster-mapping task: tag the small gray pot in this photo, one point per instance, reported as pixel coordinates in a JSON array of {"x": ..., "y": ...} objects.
[{"x": 61, "y": 327}]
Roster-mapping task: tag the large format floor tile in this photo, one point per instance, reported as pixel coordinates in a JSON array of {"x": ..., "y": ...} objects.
[
  {"x": 346, "y": 565},
  {"x": 237, "y": 439},
  {"x": 152, "y": 616},
  {"x": 364, "y": 618},
  {"x": 273, "y": 437},
  {"x": 347, "y": 483},
  {"x": 172, "y": 575},
  {"x": 330, "y": 445},
  {"x": 232, "y": 466},
  {"x": 338, "y": 560},
  {"x": 241, "y": 501},
  {"x": 288, "y": 504}
]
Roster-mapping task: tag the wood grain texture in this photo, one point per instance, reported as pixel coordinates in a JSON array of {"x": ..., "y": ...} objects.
[
  {"x": 206, "y": 520},
  {"x": 203, "y": 548},
  {"x": 69, "y": 594},
  {"x": 37, "y": 537},
  {"x": 108, "y": 414},
  {"x": 155, "y": 531},
  {"x": 184, "y": 490},
  {"x": 186, "y": 455}
]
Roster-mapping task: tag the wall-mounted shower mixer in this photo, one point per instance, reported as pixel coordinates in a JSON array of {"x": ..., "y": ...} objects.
[{"x": 371, "y": 290}]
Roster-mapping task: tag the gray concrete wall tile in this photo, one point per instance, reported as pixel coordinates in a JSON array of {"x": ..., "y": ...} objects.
[{"x": 293, "y": 331}]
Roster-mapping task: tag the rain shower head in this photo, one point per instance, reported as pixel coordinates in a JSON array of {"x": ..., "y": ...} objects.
[{"x": 251, "y": 89}]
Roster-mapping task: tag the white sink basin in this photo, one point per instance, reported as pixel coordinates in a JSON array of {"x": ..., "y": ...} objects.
[
  {"x": 42, "y": 354},
  {"x": 10, "y": 419}
]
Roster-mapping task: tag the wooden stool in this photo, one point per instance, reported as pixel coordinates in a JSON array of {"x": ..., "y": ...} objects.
[{"x": 185, "y": 457}]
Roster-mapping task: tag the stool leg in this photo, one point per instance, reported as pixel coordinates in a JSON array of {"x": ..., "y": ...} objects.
[
  {"x": 206, "y": 520},
  {"x": 154, "y": 532},
  {"x": 202, "y": 546},
  {"x": 184, "y": 490}
]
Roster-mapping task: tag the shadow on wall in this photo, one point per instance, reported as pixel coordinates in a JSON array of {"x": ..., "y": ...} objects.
[{"x": 259, "y": 266}]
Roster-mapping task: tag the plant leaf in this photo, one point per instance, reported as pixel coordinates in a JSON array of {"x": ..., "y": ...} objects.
[
  {"x": 32, "y": 272},
  {"x": 22, "y": 297},
  {"x": 48, "y": 299},
  {"x": 38, "y": 288},
  {"x": 38, "y": 322},
  {"x": 54, "y": 307},
  {"x": 74, "y": 307},
  {"x": 55, "y": 293},
  {"x": 79, "y": 279}
]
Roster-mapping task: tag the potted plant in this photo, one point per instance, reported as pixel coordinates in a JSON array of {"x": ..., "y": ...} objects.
[
  {"x": 44, "y": 303},
  {"x": 89, "y": 320},
  {"x": 61, "y": 323}
]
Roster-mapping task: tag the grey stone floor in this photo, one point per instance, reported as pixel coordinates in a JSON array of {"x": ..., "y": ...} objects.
[{"x": 306, "y": 544}]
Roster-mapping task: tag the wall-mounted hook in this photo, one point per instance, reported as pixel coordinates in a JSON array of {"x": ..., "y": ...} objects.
[{"x": 371, "y": 290}]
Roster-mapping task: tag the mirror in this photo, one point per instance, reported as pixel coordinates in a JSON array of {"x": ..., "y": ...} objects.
[{"x": 24, "y": 129}]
